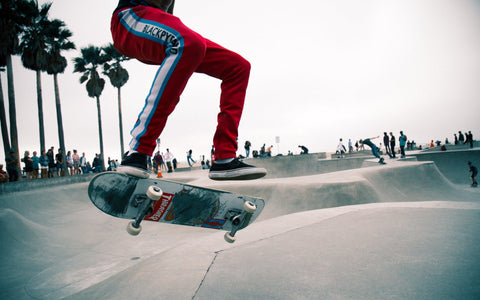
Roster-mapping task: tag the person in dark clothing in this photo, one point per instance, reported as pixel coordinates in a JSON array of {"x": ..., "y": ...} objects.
[
  {"x": 12, "y": 167},
  {"x": 386, "y": 142},
  {"x": 392, "y": 144},
  {"x": 368, "y": 142},
  {"x": 469, "y": 139},
  {"x": 461, "y": 137},
  {"x": 27, "y": 160},
  {"x": 474, "y": 172},
  {"x": 305, "y": 149}
]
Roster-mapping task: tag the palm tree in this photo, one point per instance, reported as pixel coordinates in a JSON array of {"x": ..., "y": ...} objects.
[
  {"x": 3, "y": 120},
  {"x": 92, "y": 57},
  {"x": 13, "y": 18},
  {"x": 58, "y": 40},
  {"x": 34, "y": 53},
  {"x": 118, "y": 77}
]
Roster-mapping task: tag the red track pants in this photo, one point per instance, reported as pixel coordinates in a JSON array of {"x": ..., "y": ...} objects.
[{"x": 155, "y": 37}]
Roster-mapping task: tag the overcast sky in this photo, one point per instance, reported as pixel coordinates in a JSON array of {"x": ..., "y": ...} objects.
[{"x": 321, "y": 70}]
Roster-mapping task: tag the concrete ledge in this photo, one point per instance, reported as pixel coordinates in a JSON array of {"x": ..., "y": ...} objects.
[
  {"x": 25, "y": 185},
  {"x": 287, "y": 166},
  {"x": 341, "y": 164}
]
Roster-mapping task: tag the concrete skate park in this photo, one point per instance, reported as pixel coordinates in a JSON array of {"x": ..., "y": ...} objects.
[{"x": 332, "y": 229}]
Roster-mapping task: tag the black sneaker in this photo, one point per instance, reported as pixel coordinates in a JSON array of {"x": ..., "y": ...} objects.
[
  {"x": 134, "y": 164},
  {"x": 235, "y": 170}
]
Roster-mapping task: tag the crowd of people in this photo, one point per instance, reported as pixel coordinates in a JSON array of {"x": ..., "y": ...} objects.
[
  {"x": 50, "y": 164},
  {"x": 166, "y": 161},
  {"x": 390, "y": 144}
]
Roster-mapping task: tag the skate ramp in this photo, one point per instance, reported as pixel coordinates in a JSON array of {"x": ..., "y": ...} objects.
[
  {"x": 453, "y": 164},
  {"x": 398, "y": 181},
  {"x": 308, "y": 164},
  {"x": 402, "y": 230}
]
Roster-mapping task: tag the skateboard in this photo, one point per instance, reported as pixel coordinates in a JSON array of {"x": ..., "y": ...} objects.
[{"x": 159, "y": 200}]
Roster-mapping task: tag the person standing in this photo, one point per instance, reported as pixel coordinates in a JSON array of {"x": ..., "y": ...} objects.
[
  {"x": 12, "y": 169},
  {"x": 69, "y": 159},
  {"x": 158, "y": 159},
  {"x": 44, "y": 164},
  {"x": 83, "y": 163},
  {"x": 148, "y": 31},
  {"x": 168, "y": 160},
  {"x": 28, "y": 165},
  {"x": 341, "y": 149},
  {"x": 52, "y": 166},
  {"x": 403, "y": 141},
  {"x": 247, "y": 148},
  {"x": 461, "y": 137},
  {"x": 392, "y": 144},
  {"x": 59, "y": 161},
  {"x": 469, "y": 139},
  {"x": 97, "y": 164},
  {"x": 386, "y": 142},
  {"x": 35, "y": 165},
  {"x": 76, "y": 162}
]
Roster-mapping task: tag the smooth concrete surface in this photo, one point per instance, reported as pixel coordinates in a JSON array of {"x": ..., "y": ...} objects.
[
  {"x": 398, "y": 231},
  {"x": 288, "y": 166},
  {"x": 452, "y": 166}
]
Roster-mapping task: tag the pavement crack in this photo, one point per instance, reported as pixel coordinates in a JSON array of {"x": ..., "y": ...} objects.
[{"x": 205, "y": 276}]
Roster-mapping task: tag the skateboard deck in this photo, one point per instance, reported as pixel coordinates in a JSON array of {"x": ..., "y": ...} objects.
[{"x": 159, "y": 200}]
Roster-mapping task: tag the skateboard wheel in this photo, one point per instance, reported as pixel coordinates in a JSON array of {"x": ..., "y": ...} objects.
[
  {"x": 229, "y": 238},
  {"x": 132, "y": 230},
  {"x": 249, "y": 207},
  {"x": 154, "y": 193}
]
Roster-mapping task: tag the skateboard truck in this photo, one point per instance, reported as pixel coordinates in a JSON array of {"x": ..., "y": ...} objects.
[
  {"x": 240, "y": 220},
  {"x": 153, "y": 194}
]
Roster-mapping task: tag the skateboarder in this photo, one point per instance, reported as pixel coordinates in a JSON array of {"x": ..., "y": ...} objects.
[
  {"x": 474, "y": 172},
  {"x": 147, "y": 30},
  {"x": 374, "y": 147}
]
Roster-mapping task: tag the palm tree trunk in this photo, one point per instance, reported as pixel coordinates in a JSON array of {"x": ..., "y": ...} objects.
[
  {"x": 40, "y": 111},
  {"x": 3, "y": 120},
  {"x": 100, "y": 132},
  {"x": 120, "y": 122},
  {"x": 12, "y": 113},
  {"x": 60, "y": 123}
]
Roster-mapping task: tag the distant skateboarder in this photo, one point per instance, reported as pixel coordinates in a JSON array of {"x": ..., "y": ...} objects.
[
  {"x": 374, "y": 147},
  {"x": 474, "y": 172},
  {"x": 304, "y": 149}
]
